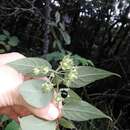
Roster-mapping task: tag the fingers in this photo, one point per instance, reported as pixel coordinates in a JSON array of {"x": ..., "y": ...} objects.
[
  {"x": 8, "y": 111},
  {"x": 50, "y": 112},
  {"x": 13, "y": 112},
  {"x": 10, "y": 79},
  {"x": 21, "y": 110},
  {"x": 9, "y": 57}
]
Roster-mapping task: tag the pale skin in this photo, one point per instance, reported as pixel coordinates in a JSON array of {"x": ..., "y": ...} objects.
[{"x": 12, "y": 103}]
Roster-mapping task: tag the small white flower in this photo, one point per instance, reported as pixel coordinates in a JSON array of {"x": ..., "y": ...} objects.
[
  {"x": 45, "y": 70},
  {"x": 36, "y": 71}
]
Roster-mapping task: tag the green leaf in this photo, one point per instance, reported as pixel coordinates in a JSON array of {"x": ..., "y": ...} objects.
[
  {"x": 2, "y": 51},
  {"x": 57, "y": 128},
  {"x": 66, "y": 37},
  {"x": 56, "y": 55},
  {"x": 31, "y": 91},
  {"x": 27, "y": 65},
  {"x": 72, "y": 96},
  {"x": 6, "y": 46},
  {"x": 54, "y": 43},
  {"x": 67, "y": 124},
  {"x": 57, "y": 44},
  {"x": 62, "y": 26},
  {"x": 3, "y": 37},
  {"x": 87, "y": 75},
  {"x": 82, "y": 111},
  {"x": 57, "y": 16},
  {"x": 13, "y": 41},
  {"x": 82, "y": 61},
  {"x": 53, "y": 24},
  {"x": 33, "y": 123},
  {"x": 6, "y": 33},
  {"x": 2, "y": 43},
  {"x": 12, "y": 126},
  {"x": 3, "y": 118}
]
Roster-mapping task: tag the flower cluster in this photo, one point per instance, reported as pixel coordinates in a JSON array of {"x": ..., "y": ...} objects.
[
  {"x": 71, "y": 76},
  {"x": 41, "y": 70},
  {"x": 67, "y": 63},
  {"x": 47, "y": 86}
]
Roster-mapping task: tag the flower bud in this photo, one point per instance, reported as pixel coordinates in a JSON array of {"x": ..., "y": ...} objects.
[
  {"x": 58, "y": 98},
  {"x": 52, "y": 75},
  {"x": 71, "y": 76},
  {"x": 67, "y": 82},
  {"x": 47, "y": 87},
  {"x": 41, "y": 70},
  {"x": 45, "y": 70},
  {"x": 67, "y": 63},
  {"x": 36, "y": 71}
]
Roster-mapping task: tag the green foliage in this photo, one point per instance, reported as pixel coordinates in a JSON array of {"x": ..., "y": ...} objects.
[
  {"x": 3, "y": 37},
  {"x": 57, "y": 17},
  {"x": 13, "y": 41},
  {"x": 3, "y": 118},
  {"x": 81, "y": 111},
  {"x": 58, "y": 27},
  {"x": 55, "y": 56},
  {"x": 66, "y": 123},
  {"x": 7, "y": 41},
  {"x": 28, "y": 66},
  {"x": 67, "y": 73},
  {"x": 87, "y": 75},
  {"x": 34, "y": 88},
  {"x": 72, "y": 96},
  {"x": 12, "y": 126},
  {"x": 66, "y": 37},
  {"x": 6, "y": 33},
  {"x": 33, "y": 123},
  {"x": 78, "y": 60},
  {"x": 8, "y": 124}
]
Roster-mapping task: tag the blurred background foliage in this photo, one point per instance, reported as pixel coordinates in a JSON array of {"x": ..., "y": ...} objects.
[{"x": 97, "y": 31}]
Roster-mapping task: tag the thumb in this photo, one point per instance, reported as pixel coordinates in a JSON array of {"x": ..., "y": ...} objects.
[
  {"x": 9, "y": 57},
  {"x": 50, "y": 112}
]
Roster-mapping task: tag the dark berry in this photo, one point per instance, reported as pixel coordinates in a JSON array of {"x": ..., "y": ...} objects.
[{"x": 64, "y": 93}]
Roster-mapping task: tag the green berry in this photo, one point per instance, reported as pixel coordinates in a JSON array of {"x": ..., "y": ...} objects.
[{"x": 58, "y": 98}]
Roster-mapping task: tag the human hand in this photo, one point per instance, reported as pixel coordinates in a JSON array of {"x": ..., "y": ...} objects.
[{"x": 11, "y": 102}]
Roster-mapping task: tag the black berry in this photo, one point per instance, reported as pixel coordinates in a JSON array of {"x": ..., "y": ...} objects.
[{"x": 64, "y": 93}]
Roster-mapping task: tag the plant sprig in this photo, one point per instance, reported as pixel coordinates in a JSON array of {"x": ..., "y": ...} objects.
[{"x": 68, "y": 75}]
